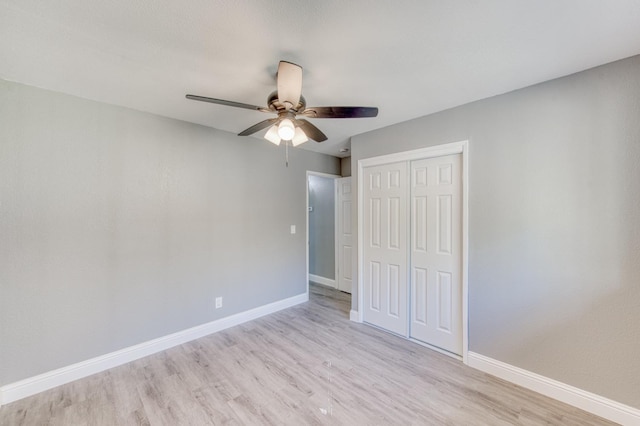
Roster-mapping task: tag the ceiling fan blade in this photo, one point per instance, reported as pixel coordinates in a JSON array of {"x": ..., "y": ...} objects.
[
  {"x": 227, "y": 103},
  {"x": 256, "y": 127},
  {"x": 289, "y": 84},
  {"x": 310, "y": 130},
  {"x": 340, "y": 112}
]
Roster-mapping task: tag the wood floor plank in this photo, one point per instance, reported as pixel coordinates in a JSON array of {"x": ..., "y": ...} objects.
[{"x": 307, "y": 365}]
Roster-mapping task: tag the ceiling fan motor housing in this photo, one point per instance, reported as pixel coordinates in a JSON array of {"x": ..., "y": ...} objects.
[{"x": 276, "y": 106}]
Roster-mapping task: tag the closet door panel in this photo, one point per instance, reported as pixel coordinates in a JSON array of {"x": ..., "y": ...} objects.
[
  {"x": 385, "y": 283},
  {"x": 436, "y": 257}
]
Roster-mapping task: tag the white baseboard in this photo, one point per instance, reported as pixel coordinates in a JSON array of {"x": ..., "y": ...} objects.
[
  {"x": 353, "y": 316},
  {"x": 322, "y": 280},
  {"x": 33, "y": 385},
  {"x": 595, "y": 404}
]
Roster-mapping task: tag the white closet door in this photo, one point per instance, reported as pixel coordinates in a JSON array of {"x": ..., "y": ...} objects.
[
  {"x": 436, "y": 252},
  {"x": 345, "y": 235},
  {"x": 385, "y": 247}
]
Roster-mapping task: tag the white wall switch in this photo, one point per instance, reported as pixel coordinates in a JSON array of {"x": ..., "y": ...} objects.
[
  {"x": 293, "y": 229},
  {"x": 218, "y": 302}
]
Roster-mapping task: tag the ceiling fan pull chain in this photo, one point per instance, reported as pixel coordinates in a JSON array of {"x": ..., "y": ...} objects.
[{"x": 286, "y": 153}]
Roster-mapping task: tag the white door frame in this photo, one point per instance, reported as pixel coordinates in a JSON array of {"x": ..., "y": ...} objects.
[
  {"x": 462, "y": 148},
  {"x": 335, "y": 220}
]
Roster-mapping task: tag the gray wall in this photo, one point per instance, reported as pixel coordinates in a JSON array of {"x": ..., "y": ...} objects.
[
  {"x": 117, "y": 227},
  {"x": 554, "y": 223},
  {"x": 322, "y": 252},
  {"x": 345, "y": 166}
]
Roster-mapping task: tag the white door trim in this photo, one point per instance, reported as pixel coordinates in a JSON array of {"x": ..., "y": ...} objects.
[
  {"x": 335, "y": 218},
  {"x": 462, "y": 148}
]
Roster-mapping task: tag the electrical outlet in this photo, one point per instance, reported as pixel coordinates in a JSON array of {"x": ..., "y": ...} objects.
[{"x": 218, "y": 302}]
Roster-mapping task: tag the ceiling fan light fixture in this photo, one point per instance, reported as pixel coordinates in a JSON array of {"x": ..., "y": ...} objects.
[
  {"x": 299, "y": 137},
  {"x": 286, "y": 129},
  {"x": 272, "y": 135}
]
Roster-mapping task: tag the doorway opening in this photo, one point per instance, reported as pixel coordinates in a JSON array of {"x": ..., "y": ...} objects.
[
  {"x": 322, "y": 267},
  {"x": 329, "y": 231}
]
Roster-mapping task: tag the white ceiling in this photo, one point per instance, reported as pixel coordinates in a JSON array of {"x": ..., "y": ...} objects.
[{"x": 409, "y": 58}]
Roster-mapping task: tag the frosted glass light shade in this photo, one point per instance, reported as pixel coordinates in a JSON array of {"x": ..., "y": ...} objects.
[
  {"x": 299, "y": 137},
  {"x": 272, "y": 135},
  {"x": 286, "y": 130}
]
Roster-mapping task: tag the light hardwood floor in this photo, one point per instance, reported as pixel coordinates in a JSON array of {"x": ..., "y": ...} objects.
[{"x": 307, "y": 365}]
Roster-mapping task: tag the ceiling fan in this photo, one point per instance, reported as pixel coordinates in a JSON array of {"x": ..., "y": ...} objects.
[{"x": 289, "y": 104}]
